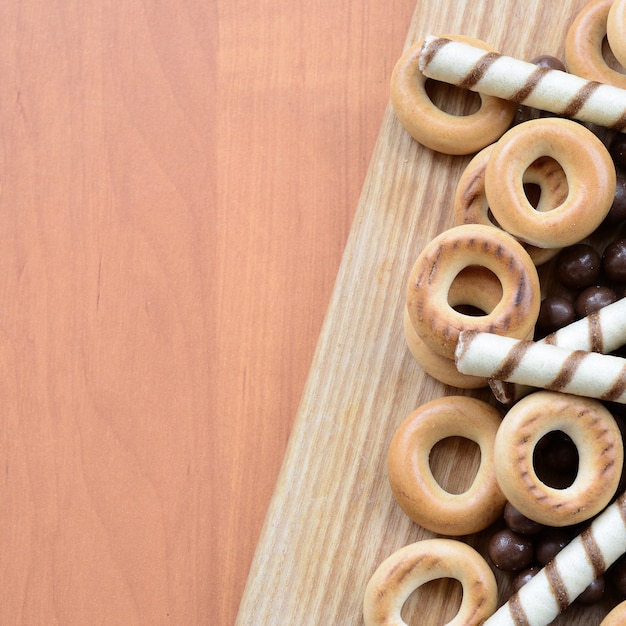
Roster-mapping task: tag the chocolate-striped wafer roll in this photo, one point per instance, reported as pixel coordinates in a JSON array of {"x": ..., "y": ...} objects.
[
  {"x": 602, "y": 331},
  {"x": 511, "y": 79},
  {"x": 576, "y": 566},
  {"x": 542, "y": 365}
]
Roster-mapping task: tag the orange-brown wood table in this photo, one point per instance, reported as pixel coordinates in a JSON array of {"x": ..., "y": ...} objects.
[{"x": 177, "y": 183}]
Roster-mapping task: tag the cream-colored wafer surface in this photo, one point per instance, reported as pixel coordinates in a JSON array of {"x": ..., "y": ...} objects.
[
  {"x": 574, "y": 568},
  {"x": 505, "y": 77},
  {"x": 602, "y": 331},
  {"x": 542, "y": 365}
]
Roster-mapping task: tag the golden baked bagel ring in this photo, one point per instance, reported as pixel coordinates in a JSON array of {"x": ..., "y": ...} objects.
[
  {"x": 439, "y": 367},
  {"x": 590, "y": 173},
  {"x": 597, "y": 438},
  {"x": 436, "y": 321},
  {"x": 470, "y": 203},
  {"x": 616, "y": 617},
  {"x": 583, "y": 45},
  {"x": 418, "y": 563},
  {"x": 475, "y": 287},
  {"x": 434, "y": 128},
  {"x": 616, "y": 30},
  {"x": 411, "y": 479}
]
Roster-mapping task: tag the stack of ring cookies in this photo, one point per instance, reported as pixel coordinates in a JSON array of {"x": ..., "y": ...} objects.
[{"x": 444, "y": 277}]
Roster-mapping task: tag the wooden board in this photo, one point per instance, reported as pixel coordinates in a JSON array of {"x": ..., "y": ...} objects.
[{"x": 332, "y": 518}]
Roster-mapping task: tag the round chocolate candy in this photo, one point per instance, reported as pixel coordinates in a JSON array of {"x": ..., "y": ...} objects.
[
  {"x": 554, "y": 313},
  {"x": 617, "y": 212},
  {"x": 578, "y": 266},
  {"x": 614, "y": 260},
  {"x": 549, "y": 61},
  {"x": 593, "y": 593},
  {"x": 510, "y": 551},
  {"x": 556, "y": 459},
  {"x": 550, "y": 543},
  {"x": 617, "y": 574},
  {"x": 617, "y": 150},
  {"x": 519, "y": 523},
  {"x": 524, "y": 576},
  {"x": 594, "y": 298}
]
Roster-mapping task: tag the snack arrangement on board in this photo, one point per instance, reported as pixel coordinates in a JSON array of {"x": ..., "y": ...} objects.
[{"x": 524, "y": 296}]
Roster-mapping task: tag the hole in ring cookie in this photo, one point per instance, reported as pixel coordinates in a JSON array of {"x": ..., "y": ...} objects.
[
  {"x": 556, "y": 460},
  {"x": 443, "y": 597},
  {"x": 545, "y": 184},
  {"x": 446, "y": 474},
  {"x": 452, "y": 99},
  {"x": 475, "y": 291}
]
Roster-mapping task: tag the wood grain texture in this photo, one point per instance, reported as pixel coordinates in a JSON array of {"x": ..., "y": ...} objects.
[
  {"x": 177, "y": 182},
  {"x": 332, "y": 518}
]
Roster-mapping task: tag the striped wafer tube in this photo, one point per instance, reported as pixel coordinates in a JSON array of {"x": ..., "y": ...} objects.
[
  {"x": 505, "y": 77},
  {"x": 542, "y": 365},
  {"x": 563, "y": 579},
  {"x": 602, "y": 331}
]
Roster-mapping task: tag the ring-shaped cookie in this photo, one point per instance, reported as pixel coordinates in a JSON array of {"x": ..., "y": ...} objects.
[
  {"x": 616, "y": 617},
  {"x": 418, "y": 563},
  {"x": 411, "y": 479},
  {"x": 589, "y": 170},
  {"x": 474, "y": 287},
  {"x": 434, "y": 128},
  {"x": 597, "y": 438},
  {"x": 470, "y": 203},
  {"x": 583, "y": 45},
  {"x": 439, "y": 367},
  {"x": 616, "y": 30},
  {"x": 435, "y": 269}
]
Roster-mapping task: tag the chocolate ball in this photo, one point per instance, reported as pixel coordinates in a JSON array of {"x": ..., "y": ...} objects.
[
  {"x": 549, "y": 61},
  {"x": 617, "y": 212},
  {"x": 593, "y": 593},
  {"x": 555, "y": 460},
  {"x": 617, "y": 150},
  {"x": 594, "y": 298},
  {"x": 523, "y": 577},
  {"x": 554, "y": 313},
  {"x": 510, "y": 551},
  {"x": 550, "y": 543},
  {"x": 614, "y": 261},
  {"x": 617, "y": 574},
  {"x": 578, "y": 266},
  {"x": 519, "y": 523}
]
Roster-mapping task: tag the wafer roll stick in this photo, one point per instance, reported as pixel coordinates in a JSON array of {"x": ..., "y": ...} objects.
[
  {"x": 602, "y": 331},
  {"x": 542, "y": 365},
  {"x": 511, "y": 79},
  {"x": 575, "y": 567}
]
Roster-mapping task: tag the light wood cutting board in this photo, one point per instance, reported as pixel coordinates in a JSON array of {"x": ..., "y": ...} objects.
[{"x": 332, "y": 518}]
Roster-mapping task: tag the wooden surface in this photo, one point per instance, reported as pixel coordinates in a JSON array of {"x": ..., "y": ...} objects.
[
  {"x": 177, "y": 183},
  {"x": 332, "y": 518},
  {"x": 302, "y": 92}
]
